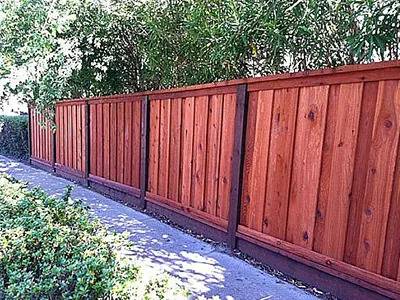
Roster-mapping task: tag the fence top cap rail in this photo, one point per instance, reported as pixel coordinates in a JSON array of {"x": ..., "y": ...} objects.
[{"x": 319, "y": 72}]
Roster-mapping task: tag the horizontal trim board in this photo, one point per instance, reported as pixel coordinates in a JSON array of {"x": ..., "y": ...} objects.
[
  {"x": 188, "y": 222},
  {"x": 42, "y": 164},
  {"x": 71, "y": 176},
  {"x": 41, "y": 160},
  {"x": 71, "y": 102},
  {"x": 375, "y": 282},
  {"x": 315, "y": 277},
  {"x": 114, "y": 193},
  {"x": 188, "y": 211},
  {"x": 115, "y": 185},
  {"x": 341, "y": 78},
  {"x": 70, "y": 170},
  {"x": 194, "y": 93},
  {"x": 117, "y": 99}
]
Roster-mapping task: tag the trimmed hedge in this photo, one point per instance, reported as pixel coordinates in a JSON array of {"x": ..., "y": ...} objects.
[
  {"x": 53, "y": 249},
  {"x": 14, "y": 136}
]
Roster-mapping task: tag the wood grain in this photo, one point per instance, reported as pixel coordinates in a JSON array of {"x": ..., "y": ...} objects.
[
  {"x": 280, "y": 162},
  {"x": 175, "y": 150},
  {"x": 187, "y": 149},
  {"x": 337, "y": 171},
  {"x": 307, "y": 155},
  {"x": 379, "y": 181},
  {"x": 154, "y": 145}
]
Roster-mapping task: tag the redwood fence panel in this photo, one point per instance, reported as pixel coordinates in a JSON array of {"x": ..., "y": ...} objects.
[
  {"x": 315, "y": 174},
  {"x": 41, "y": 138},
  {"x": 70, "y": 138}
]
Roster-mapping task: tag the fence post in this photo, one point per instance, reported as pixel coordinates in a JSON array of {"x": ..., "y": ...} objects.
[
  {"x": 87, "y": 141},
  {"x": 54, "y": 148},
  {"x": 144, "y": 167},
  {"x": 237, "y": 163},
  {"x": 29, "y": 133}
]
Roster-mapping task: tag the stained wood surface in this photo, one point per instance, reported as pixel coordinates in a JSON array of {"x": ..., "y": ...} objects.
[
  {"x": 280, "y": 162},
  {"x": 321, "y": 163},
  {"x": 190, "y": 152}
]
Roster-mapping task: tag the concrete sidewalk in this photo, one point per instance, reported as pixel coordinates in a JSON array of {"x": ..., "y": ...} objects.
[{"x": 204, "y": 269}]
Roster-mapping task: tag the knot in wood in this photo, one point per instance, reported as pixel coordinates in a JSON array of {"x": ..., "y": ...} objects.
[
  {"x": 367, "y": 246},
  {"x": 368, "y": 211},
  {"x": 265, "y": 222},
  {"x": 373, "y": 171},
  {"x": 311, "y": 115},
  {"x": 305, "y": 236},
  {"x": 328, "y": 262},
  {"x": 388, "y": 124}
]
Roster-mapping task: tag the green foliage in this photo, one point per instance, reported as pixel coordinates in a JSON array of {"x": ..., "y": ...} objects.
[
  {"x": 75, "y": 48},
  {"x": 14, "y": 136},
  {"x": 52, "y": 249}
]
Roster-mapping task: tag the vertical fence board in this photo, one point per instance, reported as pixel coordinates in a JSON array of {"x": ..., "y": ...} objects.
[
  {"x": 175, "y": 149},
  {"x": 381, "y": 163},
  {"x": 392, "y": 242},
  {"x": 227, "y": 142},
  {"x": 99, "y": 140},
  {"x": 334, "y": 201},
  {"x": 187, "y": 148},
  {"x": 154, "y": 145},
  {"x": 360, "y": 170},
  {"x": 256, "y": 195},
  {"x": 136, "y": 137},
  {"x": 199, "y": 153},
  {"x": 280, "y": 161},
  {"x": 248, "y": 157},
  {"x": 70, "y": 138},
  {"x": 57, "y": 115},
  {"x": 163, "y": 170},
  {"x": 83, "y": 134},
  {"x": 74, "y": 137},
  {"x": 128, "y": 144},
  {"x": 93, "y": 139},
  {"x": 213, "y": 152},
  {"x": 306, "y": 165},
  {"x": 79, "y": 136},
  {"x": 120, "y": 142},
  {"x": 106, "y": 140},
  {"x": 113, "y": 141},
  {"x": 61, "y": 133}
]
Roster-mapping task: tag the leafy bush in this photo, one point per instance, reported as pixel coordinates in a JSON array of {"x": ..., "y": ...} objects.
[
  {"x": 14, "y": 136},
  {"x": 52, "y": 249}
]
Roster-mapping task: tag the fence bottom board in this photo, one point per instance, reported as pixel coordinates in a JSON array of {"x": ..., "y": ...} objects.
[
  {"x": 362, "y": 278},
  {"x": 188, "y": 222},
  {"x": 209, "y": 220},
  {"x": 338, "y": 287},
  {"x": 42, "y": 164},
  {"x": 115, "y": 185},
  {"x": 116, "y": 194}
]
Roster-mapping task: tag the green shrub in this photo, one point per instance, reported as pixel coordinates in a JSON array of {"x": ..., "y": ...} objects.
[
  {"x": 52, "y": 249},
  {"x": 14, "y": 136}
]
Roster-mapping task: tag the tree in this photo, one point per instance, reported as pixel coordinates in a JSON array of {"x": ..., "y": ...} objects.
[{"x": 52, "y": 50}]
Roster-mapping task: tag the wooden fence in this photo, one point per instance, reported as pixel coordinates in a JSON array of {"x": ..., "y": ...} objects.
[{"x": 305, "y": 165}]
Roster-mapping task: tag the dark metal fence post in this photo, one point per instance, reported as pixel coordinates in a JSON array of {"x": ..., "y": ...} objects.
[
  {"x": 87, "y": 141},
  {"x": 29, "y": 133},
  {"x": 237, "y": 163},
  {"x": 54, "y": 146},
  {"x": 144, "y": 167}
]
